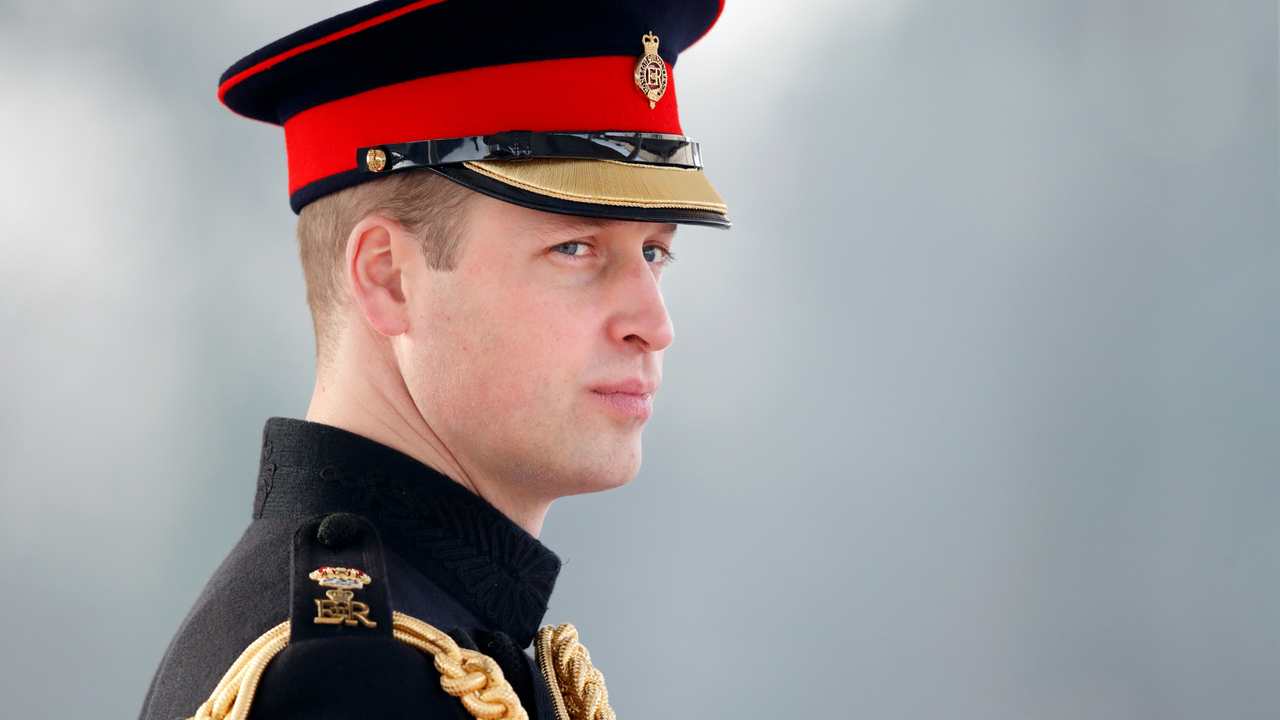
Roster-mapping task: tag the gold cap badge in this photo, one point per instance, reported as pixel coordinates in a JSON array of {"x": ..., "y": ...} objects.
[{"x": 651, "y": 72}]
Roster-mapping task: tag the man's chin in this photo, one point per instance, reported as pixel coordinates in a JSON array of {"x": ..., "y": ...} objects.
[{"x": 603, "y": 469}]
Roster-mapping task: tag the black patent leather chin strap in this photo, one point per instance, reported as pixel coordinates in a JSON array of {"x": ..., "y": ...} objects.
[{"x": 629, "y": 147}]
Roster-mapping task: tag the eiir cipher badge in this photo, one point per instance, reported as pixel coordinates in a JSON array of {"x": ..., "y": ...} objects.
[
  {"x": 651, "y": 72},
  {"x": 339, "y": 608}
]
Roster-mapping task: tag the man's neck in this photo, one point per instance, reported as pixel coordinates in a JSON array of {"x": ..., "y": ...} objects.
[{"x": 364, "y": 393}]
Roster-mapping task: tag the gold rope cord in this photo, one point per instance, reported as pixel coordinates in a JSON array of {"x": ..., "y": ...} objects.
[
  {"x": 577, "y": 687},
  {"x": 230, "y": 700},
  {"x": 470, "y": 676}
]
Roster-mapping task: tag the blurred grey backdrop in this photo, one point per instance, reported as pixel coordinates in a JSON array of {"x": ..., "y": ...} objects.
[{"x": 974, "y": 414}]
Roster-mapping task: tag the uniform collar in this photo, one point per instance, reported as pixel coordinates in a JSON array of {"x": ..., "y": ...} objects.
[{"x": 457, "y": 539}]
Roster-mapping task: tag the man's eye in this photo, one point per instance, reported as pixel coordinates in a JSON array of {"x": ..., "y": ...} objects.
[
  {"x": 572, "y": 248},
  {"x": 653, "y": 253}
]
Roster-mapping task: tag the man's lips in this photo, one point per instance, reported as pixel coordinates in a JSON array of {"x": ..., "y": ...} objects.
[
  {"x": 631, "y": 397},
  {"x": 633, "y": 386}
]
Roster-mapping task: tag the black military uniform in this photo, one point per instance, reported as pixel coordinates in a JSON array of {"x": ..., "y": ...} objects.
[
  {"x": 405, "y": 595},
  {"x": 449, "y": 559}
]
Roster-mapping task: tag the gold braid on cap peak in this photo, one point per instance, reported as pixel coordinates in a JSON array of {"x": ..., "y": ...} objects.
[
  {"x": 472, "y": 677},
  {"x": 577, "y": 687}
]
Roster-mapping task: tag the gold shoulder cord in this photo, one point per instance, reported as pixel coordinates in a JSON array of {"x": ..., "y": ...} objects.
[
  {"x": 577, "y": 687},
  {"x": 472, "y": 677}
]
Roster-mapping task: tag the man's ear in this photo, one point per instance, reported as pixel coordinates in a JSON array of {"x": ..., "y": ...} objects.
[{"x": 377, "y": 251}]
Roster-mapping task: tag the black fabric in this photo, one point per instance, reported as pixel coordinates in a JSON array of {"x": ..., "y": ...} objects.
[
  {"x": 247, "y": 596},
  {"x": 450, "y": 36},
  {"x": 462, "y": 543},
  {"x": 353, "y": 678},
  {"x": 447, "y": 558}
]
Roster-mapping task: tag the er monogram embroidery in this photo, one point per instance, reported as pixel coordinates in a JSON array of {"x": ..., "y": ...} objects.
[{"x": 340, "y": 608}]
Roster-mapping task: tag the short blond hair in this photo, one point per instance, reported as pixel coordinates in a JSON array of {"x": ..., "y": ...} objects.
[{"x": 428, "y": 207}]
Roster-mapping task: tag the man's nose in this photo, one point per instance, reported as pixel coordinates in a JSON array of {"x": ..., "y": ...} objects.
[{"x": 641, "y": 318}]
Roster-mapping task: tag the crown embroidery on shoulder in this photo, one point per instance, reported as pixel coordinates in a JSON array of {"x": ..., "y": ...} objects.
[{"x": 340, "y": 577}]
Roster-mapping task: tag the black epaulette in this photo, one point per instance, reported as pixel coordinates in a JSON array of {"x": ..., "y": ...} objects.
[{"x": 345, "y": 653}]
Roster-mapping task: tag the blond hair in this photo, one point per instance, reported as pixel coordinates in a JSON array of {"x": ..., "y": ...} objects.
[{"x": 428, "y": 207}]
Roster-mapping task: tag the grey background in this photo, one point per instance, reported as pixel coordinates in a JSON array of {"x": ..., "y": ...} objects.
[{"x": 974, "y": 414}]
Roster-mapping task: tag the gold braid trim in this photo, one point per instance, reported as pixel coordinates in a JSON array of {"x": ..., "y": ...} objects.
[
  {"x": 577, "y": 687},
  {"x": 470, "y": 676}
]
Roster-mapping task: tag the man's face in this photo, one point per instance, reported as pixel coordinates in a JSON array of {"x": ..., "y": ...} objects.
[{"x": 536, "y": 359}]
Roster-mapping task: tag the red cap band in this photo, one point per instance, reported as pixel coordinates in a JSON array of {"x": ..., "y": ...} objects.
[{"x": 576, "y": 94}]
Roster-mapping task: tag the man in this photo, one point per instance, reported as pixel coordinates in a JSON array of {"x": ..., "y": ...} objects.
[{"x": 487, "y": 194}]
